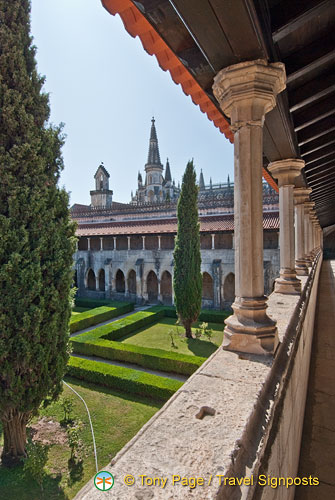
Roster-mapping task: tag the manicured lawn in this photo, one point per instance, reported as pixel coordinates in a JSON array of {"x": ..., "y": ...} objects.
[
  {"x": 157, "y": 336},
  {"x": 116, "y": 418}
]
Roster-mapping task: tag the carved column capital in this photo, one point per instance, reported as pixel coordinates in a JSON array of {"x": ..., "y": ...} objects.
[
  {"x": 286, "y": 170},
  {"x": 248, "y": 90}
]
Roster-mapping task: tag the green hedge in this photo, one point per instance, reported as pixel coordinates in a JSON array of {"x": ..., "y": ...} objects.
[
  {"x": 122, "y": 327},
  {"x": 123, "y": 379},
  {"x": 155, "y": 359},
  {"x": 92, "y": 303},
  {"x": 208, "y": 315},
  {"x": 98, "y": 315}
]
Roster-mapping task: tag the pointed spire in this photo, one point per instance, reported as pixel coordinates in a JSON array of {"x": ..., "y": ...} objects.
[
  {"x": 139, "y": 177},
  {"x": 228, "y": 181},
  {"x": 168, "y": 177},
  {"x": 210, "y": 183},
  {"x": 201, "y": 180},
  {"x": 153, "y": 153}
]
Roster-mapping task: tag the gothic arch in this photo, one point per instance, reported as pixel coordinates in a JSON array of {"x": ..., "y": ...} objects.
[
  {"x": 120, "y": 284},
  {"x": 101, "y": 277},
  {"x": 131, "y": 281},
  {"x": 166, "y": 288},
  {"x": 229, "y": 288},
  {"x": 91, "y": 282},
  {"x": 207, "y": 287},
  {"x": 152, "y": 286}
]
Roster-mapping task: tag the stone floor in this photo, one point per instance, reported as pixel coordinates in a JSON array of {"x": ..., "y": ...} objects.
[{"x": 317, "y": 456}]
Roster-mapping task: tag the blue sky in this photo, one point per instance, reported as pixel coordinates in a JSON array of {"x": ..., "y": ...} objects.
[{"x": 106, "y": 88}]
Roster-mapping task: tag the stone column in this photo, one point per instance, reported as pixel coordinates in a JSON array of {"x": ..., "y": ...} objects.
[
  {"x": 77, "y": 245},
  {"x": 101, "y": 243},
  {"x": 143, "y": 242},
  {"x": 301, "y": 195},
  {"x": 246, "y": 92},
  {"x": 114, "y": 242},
  {"x": 88, "y": 243},
  {"x": 213, "y": 241},
  {"x": 159, "y": 242},
  {"x": 307, "y": 226},
  {"x": 128, "y": 238},
  {"x": 286, "y": 171},
  {"x": 160, "y": 298}
]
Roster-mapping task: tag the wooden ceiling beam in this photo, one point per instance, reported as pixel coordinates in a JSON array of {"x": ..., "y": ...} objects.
[
  {"x": 319, "y": 154},
  {"x": 320, "y": 181},
  {"x": 324, "y": 60},
  {"x": 308, "y": 177},
  {"x": 312, "y": 146},
  {"x": 316, "y": 167},
  {"x": 311, "y": 92},
  {"x": 320, "y": 192},
  {"x": 321, "y": 128},
  {"x": 300, "y": 20},
  {"x": 314, "y": 113}
]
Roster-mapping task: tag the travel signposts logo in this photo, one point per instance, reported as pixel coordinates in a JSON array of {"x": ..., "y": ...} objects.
[{"x": 103, "y": 481}]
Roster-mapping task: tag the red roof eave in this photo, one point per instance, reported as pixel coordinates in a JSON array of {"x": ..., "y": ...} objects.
[{"x": 137, "y": 25}]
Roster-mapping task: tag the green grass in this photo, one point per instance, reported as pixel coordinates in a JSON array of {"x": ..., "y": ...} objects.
[
  {"x": 157, "y": 337},
  {"x": 116, "y": 419}
]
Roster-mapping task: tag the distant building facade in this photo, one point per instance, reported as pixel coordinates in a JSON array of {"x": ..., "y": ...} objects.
[{"x": 125, "y": 250}]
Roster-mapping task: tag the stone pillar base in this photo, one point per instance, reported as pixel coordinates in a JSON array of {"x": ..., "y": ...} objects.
[
  {"x": 301, "y": 267},
  {"x": 288, "y": 283},
  {"x": 249, "y": 329}
]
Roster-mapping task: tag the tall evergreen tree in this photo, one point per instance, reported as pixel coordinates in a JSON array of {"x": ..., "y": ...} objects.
[
  {"x": 187, "y": 279},
  {"x": 37, "y": 237}
]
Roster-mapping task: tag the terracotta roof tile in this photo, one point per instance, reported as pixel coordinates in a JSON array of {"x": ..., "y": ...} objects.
[{"x": 162, "y": 226}]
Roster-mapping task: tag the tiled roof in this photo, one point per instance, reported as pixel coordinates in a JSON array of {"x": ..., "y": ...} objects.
[{"x": 208, "y": 224}]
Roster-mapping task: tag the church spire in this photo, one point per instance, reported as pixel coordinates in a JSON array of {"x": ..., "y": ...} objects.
[
  {"x": 153, "y": 153},
  {"x": 201, "y": 180},
  {"x": 168, "y": 177}
]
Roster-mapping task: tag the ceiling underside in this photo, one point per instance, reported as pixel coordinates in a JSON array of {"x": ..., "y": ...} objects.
[{"x": 208, "y": 35}]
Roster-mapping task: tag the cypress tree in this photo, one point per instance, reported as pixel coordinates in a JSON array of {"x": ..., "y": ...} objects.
[
  {"x": 187, "y": 279},
  {"x": 37, "y": 237}
]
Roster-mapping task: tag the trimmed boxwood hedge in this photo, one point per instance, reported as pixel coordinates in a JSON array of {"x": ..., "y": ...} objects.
[
  {"x": 98, "y": 315},
  {"x": 122, "y": 327},
  {"x": 92, "y": 303},
  {"x": 123, "y": 379},
  {"x": 155, "y": 359},
  {"x": 208, "y": 315}
]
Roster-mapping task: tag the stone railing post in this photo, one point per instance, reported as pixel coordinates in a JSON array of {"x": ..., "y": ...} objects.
[
  {"x": 246, "y": 92},
  {"x": 301, "y": 195},
  {"x": 307, "y": 225},
  {"x": 286, "y": 171}
]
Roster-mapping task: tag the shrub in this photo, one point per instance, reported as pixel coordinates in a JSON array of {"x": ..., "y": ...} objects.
[
  {"x": 208, "y": 315},
  {"x": 123, "y": 379},
  {"x": 92, "y": 303},
  {"x": 37, "y": 457},
  {"x": 154, "y": 359},
  {"x": 97, "y": 315}
]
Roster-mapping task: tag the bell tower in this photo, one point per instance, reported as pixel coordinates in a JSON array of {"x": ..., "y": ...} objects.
[{"x": 102, "y": 196}]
